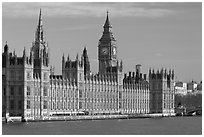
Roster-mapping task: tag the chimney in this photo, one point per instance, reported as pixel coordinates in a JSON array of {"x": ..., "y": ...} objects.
[
  {"x": 145, "y": 76},
  {"x": 129, "y": 73},
  {"x": 140, "y": 75},
  {"x": 138, "y": 68},
  {"x": 133, "y": 74}
]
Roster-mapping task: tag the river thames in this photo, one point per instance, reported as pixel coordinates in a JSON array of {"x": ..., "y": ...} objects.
[{"x": 142, "y": 126}]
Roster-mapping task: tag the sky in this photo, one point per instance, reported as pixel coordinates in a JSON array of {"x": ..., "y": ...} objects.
[{"x": 155, "y": 35}]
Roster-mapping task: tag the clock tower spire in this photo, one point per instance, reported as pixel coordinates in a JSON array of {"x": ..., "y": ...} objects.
[{"x": 107, "y": 50}]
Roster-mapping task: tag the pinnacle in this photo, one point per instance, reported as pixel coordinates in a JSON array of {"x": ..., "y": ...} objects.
[{"x": 107, "y": 23}]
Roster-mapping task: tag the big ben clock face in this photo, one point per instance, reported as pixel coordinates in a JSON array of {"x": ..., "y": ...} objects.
[{"x": 104, "y": 51}]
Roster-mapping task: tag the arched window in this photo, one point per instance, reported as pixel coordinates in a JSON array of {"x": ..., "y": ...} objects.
[
  {"x": 44, "y": 91},
  {"x": 45, "y": 104}
]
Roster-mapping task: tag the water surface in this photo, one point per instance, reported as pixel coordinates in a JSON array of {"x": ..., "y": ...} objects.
[{"x": 146, "y": 126}]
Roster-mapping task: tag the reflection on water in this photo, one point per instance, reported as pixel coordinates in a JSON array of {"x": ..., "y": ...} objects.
[{"x": 162, "y": 126}]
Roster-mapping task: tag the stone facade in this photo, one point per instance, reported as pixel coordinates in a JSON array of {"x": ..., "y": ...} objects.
[
  {"x": 162, "y": 92},
  {"x": 31, "y": 90}
]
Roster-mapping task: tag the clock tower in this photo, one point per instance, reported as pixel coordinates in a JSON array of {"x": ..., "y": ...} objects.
[{"x": 107, "y": 50}]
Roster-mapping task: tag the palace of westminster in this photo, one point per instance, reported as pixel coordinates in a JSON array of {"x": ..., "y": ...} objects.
[{"x": 31, "y": 89}]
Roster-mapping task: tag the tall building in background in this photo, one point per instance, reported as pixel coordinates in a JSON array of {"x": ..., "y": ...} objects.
[
  {"x": 32, "y": 90},
  {"x": 162, "y": 92}
]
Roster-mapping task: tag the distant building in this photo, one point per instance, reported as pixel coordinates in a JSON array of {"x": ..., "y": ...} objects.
[
  {"x": 33, "y": 91},
  {"x": 192, "y": 87},
  {"x": 181, "y": 88},
  {"x": 199, "y": 86}
]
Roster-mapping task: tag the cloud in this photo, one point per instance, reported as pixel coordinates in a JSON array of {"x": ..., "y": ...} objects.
[
  {"x": 94, "y": 9},
  {"x": 158, "y": 54}
]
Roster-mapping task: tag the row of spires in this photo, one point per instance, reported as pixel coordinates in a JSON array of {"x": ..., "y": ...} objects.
[
  {"x": 162, "y": 71},
  {"x": 73, "y": 64},
  {"x": 161, "y": 74},
  {"x": 28, "y": 59}
]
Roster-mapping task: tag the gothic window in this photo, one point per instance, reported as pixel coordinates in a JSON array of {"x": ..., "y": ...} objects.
[
  {"x": 76, "y": 95},
  {"x": 73, "y": 75},
  {"x": 152, "y": 86},
  {"x": 120, "y": 105},
  {"x": 61, "y": 105},
  {"x": 4, "y": 91},
  {"x": 168, "y": 82},
  {"x": 20, "y": 91},
  {"x": 56, "y": 92},
  {"x": 12, "y": 74},
  {"x": 28, "y": 104},
  {"x": 12, "y": 104},
  {"x": 53, "y": 105},
  {"x": 80, "y": 76},
  {"x": 80, "y": 105},
  {"x": 64, "y": 93},
  {"x": 52, "y": 92},
  {"x": 159, "y": 86},
  {"x": 19, "y": 104},
  {"x": 172, "y": 105},
  {"x": 45, "y": 104},
  {"x": 58, "y": 105},
  {"x": 35, "y": 91},
  {"x": 28, "y": 90},
  {"x": 20, "y": 75},
  {"x": 65, "y": 106},
  {"x": 45, "y": 76},
  {"x": 28, "y": 75},
  {"x": 44, "y": 91},
  {"x": 12, "y": 91},
  {"x": 172, "y": 96},
  {"x": 80, "y": 85}
]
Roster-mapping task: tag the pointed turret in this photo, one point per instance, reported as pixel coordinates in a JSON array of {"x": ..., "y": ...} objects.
[
  {"x": 68, "y": 58},
  {"x": 150, "y": 71},
  {"x": 6, "y": 47},
  {"x": 85, "y": 52},
  {"x": 63, "y": 57},
  {"x": 40, "y": 19},
  {"x": 107, "y": 33},
  {"x": 86, "y": 62},
  {"x": 39, "y": 37},
  {"x": 107, "y": 22},
  {"x": 77, "y": 57},
  {"x": 172, "y": 74},
  {"x": 82, "y": 59},
  {"x": 121, "y": 66},
  {"x": 39, "y": 46},
  {"x": 63, "y": 61},
  {"x": 161, "y": 71},
  {"x": 14, "y": 52},
  {"x": 165, "y": 73},
  {"x": 24, "y": 52}
]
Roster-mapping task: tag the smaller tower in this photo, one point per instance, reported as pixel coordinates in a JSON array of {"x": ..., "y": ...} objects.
[
  {"x": 6, "y": 48},
  {"x": 138, "y": 70},
  {"x": 86, "y": 62},
  {"x": 5, "y": 55},
  {"x": 161, "y": 92},
  {"x": 73, "y": 69}
]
